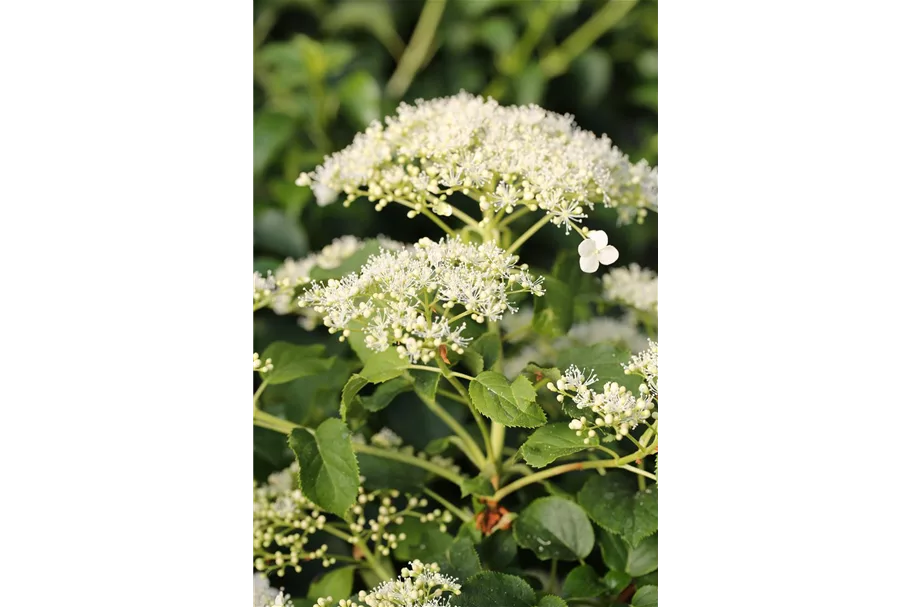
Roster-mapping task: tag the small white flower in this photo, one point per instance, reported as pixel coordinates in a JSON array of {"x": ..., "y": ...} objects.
[{"x": 594, "y": 250}]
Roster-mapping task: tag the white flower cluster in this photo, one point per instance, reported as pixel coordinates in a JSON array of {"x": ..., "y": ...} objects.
[
  {"x": 420, "y": 585},
  {"x": 406, "y": 299},
  {"x": 265, "y": 595},
  {"x": 502, "y": 156},
  {"x": 263, "y": 366},
  {"x": 614, "y": 407},
  {"x": 376, "y": 512},
  {"x": 646, "y": 364},
  {"x": 283, "y": 522},
  {"x": 267, "y": 288},
  {"x": 296, "y": 273},
  {"x": 633, "y": 286}
]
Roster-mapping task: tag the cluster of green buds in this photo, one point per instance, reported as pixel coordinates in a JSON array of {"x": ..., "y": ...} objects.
[{"x": 376, "y": 513}]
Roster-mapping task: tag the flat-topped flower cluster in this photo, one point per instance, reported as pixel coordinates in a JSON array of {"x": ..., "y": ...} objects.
[
  {"x": 407, "y": 299},
  {"x": 633, "y": 286},
  {"x": 504, "y": 157},
  {"x": 420, "y": 585}
]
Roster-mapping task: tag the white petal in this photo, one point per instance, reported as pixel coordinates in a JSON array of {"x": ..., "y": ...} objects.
[
  {"x": 587, "y": 247},
  {"x": 608, "y": 255},
  {"x": 588, "y": 263},
  {"x": 600, "y": 238}
]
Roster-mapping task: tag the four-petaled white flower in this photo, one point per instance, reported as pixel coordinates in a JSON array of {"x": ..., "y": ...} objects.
[{"x": 594, "y": 250}]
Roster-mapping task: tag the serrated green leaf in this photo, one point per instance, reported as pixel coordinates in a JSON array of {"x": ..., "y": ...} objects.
[
  {"x": 384, "y": 394},
  {"x": 635, "y": 562},
  {"x": 554, "y": 527},
  {"x": 489, "y": 588},
  {"x": 647, "y": 596},
  {"x": 422, "y": 540},
  {"x": 459, "y": 560},
  {"x": 328, "y": 468},
  {"x": 487, "y": 348},
  {"x": 551, "y": 442},
  {"x": 350, "y": 392},
  {"x": 479, "y": 485},
  {"x": 614, "y": 502},
  {"x": 551, "y": 601},
  {"x": 498, "y": 550},
  {"x": 583, "y": 581},
  {"x": 512, "y": 405},
  {"x": 277, "y": 233},
  {"x": 291, "y": 361},
  {"x": 378, "y": 366},
  {"x": 553, "y": 315},
  {"x": 616, "y": 581},
  {"x": 338, "y": 582}
]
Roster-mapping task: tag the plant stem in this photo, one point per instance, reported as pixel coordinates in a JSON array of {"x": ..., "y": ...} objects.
[
  {"x": 409, "y": 459},
  {"x": 267, "y": 420},
  {"x": 459, "y": 512},
  {"x": 641, "y": 472},
  {"x": 557, "y": 470},
  {"x": 513, "y": 216},
  {"x": 259, "y": 391},
  {"x": 377, "y": 567},
  {"x": 514, "y": 62},
  {"x": 473, "y": 451},
  {"x": 450, "y": 372},
  {"x": 452, "y": 396},
  {"x": 417, "y": 48},
  {"x": 528, "y": 234},
  {"x": 557, "y": 61}
]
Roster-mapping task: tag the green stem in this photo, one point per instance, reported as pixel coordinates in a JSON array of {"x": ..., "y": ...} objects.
[
  {"x": 444, "y": 373},
  {"x": 453, "y": 396},
  {"x": 459, "y": 512},
  {"x": 514, "y": 62},
  {"x": 437, "y": 220},
  {"x": 642, "y": 474},
  {"x": 528, "y": 234},
  {"x": 259, "y": 391},
  {"x": 473, "y": 451},
  {"x": 417, "y": 48},
  {"x": 267, "y": 420},
  {"x": 557, "y": 61},
  {"x": 557, "y": 470},
  {"x": 409, "y": 459},
  {"x": 513, "y": 216}
]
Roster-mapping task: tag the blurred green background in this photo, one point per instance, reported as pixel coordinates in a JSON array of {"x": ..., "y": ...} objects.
[{"x": 323, "y": 69}]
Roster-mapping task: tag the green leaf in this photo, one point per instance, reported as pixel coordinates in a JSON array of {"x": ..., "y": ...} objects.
[
  {"x": 271, "y": 132},
  {"x": 551, "y": 601},
  {"x": 498, "y": 550},
  {"x": 488, "y": 588},
  {"x": 551, "y": 442},
  {"x": 553, "y": 527},
  {"x": 350, "y": 391},
  {"x": 291, "y": 361},
  {"x": 360, "y": 98},
  {"x": 336, "y": 583},
  {"x": 647, "y": 596},
  {"x": 351, "y": 264},
  {"x": 554, "y": 311},
  {"x": 606, "y": 361},
  {"x": 616, "y": 581},
  {"x": 635, "y": 562},
  {"x": 511, "y": 405},
  {"x": 614, "y": 503},
  {"x": 459, "y": 560},
  {"x": 378, "y": 366},
  {"x": 382, "y": 473},
  {"x": 425, "y": 383},
  {"x": 487, "y": 349},
  {"x": 328, "y": 468},
  {"x": 277, "y": 233},
  {"x": 384, "y": 394},
  {"x": 479, "y": 485},
  {"x": 583, "y": 581},
  {"x": 422, "y": 540}
]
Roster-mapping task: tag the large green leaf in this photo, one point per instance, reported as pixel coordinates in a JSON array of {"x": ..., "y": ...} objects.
[
  {"x": 378, "y": 366},
  {"x": 614, "y": 502},
  {"x": 583, "y": 581},
  {"x": 512, "y": 405},
  {"x": 422, "y": 540},
  {"x": 483, "y": 353},
  {"x": 498, "y": 550},
  {"x": 335, "y": 583},
  {"x": 291, "y": 361},
  {"x": 647, "y": 596},
  {"x": 551, "y": 601},
  {"x": 459, "y": 560},
  {"x": 328, "y": 468},
  {"x": 553, "y": 314},
  {"x": 606, "y": 361},
  {"x": 489, "y": 589},
  {"x": 635, "y": 562},
  {"x": 384, "y": 394},
  {"x": 555, "y": 528},
  {"x": 551, "y": 442}
]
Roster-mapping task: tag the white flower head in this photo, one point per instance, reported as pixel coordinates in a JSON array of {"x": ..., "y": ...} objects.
[{"x": 594, "y": 251}]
